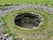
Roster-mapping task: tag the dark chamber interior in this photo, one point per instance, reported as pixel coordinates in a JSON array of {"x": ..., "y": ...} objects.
[{"x": 27, "y": 20}]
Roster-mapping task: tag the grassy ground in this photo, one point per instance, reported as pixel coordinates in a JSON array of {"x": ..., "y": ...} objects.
[{"x": 40, "y": 2}]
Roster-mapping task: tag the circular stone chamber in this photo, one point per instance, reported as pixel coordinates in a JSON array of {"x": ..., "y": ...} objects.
[{"x": 28, "y": 20}]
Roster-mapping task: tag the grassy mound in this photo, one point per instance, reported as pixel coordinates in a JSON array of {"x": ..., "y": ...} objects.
[{"x": 28, "y": 34}]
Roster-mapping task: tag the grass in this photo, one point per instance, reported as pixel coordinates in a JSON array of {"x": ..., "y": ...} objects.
[{"x": 38, "y": 2}]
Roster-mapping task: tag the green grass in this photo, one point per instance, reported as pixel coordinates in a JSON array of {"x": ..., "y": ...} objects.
[{"x": 39, "y": 2}]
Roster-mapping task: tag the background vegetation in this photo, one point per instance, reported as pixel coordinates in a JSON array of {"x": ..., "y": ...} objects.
[{"x": 38, "y": 2}]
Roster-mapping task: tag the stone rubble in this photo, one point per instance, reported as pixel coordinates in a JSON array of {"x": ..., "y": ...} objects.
[
  {"x": 4, "y": 36},
  {"x": 7, "y": 9}
]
